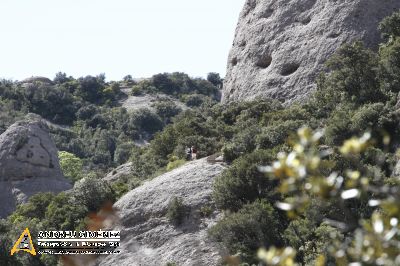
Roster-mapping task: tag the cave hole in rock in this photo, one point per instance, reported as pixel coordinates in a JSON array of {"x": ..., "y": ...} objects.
[
  {"x": 234, "y": 61},
  {"x": 264, "y": 61},
  {"x": 333, "y": 35},
  {"x": 267, "y": 13},
  {"x": 289, "y": 69},
  {"x": 306, "y": 21}
]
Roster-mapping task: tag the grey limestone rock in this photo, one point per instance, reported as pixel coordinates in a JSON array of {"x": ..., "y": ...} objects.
[
  {"x": 280, "y": 46},
  {"x": 148, "y": 238},
  {"x": 119, "y": 173},
  {"x": 28, "y": 164}
]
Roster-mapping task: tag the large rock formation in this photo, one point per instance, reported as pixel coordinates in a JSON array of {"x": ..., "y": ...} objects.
[
  {"x": 280, "y": 46},
  {"x": 148, "y": 238},
  {"x": 28, "y": 164}
]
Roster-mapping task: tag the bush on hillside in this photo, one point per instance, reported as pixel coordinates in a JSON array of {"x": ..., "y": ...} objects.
[
  {"x": 255, "y": 225},
  {"x": 93, "y": 193},
  {"x": 242, "y": 183},
  {"x": 177, "y": 211}
]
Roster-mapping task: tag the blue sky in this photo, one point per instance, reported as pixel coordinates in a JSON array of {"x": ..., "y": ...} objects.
[{"x": 115, "y": 37}]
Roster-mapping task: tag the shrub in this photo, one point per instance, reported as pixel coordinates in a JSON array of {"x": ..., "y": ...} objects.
[
  {"x": 390, "y": 26},
  {"x": 194, "y": 100},
  {"x": 65, "y": 214},
  {"x": 206, "y": 211},
  {"x": 242, "y": 143},
  {"x": 71, "y": 165},
  {"x": 176, "y": 211},
  {"x": 120, "y": 189},
  {"x": 34, "y": 208},
  {"x": 123, "y": 152},
  {"x": 175, "y": 164},
  {"x": 214, "y": 78},
  {"x": 166, "y": 110},
  {"x": 86, "y": 112},
  {"x": 390, "y": 65},
  {"x": 242, "y": 183},
  {"x": 338, "y": 125},
  {"x": 276, "y": 133},
  {"x": 353, "y": 71},
  {"x": 255, "y": 225},
  {"x": 92, "y": 193},
  {"x": 147, "y": 121}
]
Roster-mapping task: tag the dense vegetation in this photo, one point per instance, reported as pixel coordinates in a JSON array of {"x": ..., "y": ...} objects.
[
  {"x": 358, "y": 94},
  {"x": 94, "y": 127},
  {"x": 94, "y": 134}
]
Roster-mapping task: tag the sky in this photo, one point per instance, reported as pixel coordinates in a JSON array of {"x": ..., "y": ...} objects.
[{"x": 115, "y": 37}]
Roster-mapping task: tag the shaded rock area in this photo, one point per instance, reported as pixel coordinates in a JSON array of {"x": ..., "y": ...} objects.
[
  {"x": 28, "y": 164},
  {"x": 281, "y": 46},
  {"x": 148, "y": 238}
]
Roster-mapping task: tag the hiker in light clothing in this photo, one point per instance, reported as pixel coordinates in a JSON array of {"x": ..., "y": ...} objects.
[{"x": 194, "y": 153}]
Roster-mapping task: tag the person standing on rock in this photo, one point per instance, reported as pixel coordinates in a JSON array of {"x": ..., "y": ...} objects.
[
  {"x": 194, "y": 153},
  {"x": 188, "y": 154}
]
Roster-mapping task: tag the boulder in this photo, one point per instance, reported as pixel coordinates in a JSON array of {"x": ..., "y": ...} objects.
[
  {"x": 28, "y": 164},
  {"x": 119, "y": 173},
  {"x": 280, "y": 46},
  {"x": 147, "y": 236}
]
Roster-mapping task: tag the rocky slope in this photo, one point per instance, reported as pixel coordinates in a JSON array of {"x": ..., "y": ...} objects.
[
  {"x": 28, "y": 164},
  {"x": 132, "y": 103},
  {"x": 148, "y": 238},
  {"x": 280, "y": 46}
]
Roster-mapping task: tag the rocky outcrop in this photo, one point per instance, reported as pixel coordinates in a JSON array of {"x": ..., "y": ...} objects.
[
  {"x": 148, "y": 238},
  {"x": 37, "y": 79},
  {"x": 119, "y": 173},
  {"x": 28, "y": 164},
  {"x": 280, "y": 46}
]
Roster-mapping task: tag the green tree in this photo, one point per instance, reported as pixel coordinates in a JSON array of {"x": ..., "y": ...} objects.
[
  {"x": 354, "y": 71},
  {"x": 255, "y": 225},
  {"x": 64, "y": 214},
  {"x": 242, "y": 183},
  {"x": 390, "y": 27},
  {"x": 93, "y": 193},
  {"x": 214, "y": 78},
  {"x": 70, "y": 165}
]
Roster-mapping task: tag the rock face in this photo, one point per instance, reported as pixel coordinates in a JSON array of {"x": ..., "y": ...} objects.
[
  {"x": 28, "y": 164},
  {"x": 149, "y": 239},
  {"x": 118, "y": 173},
  {"x": 280, "y": 46}
]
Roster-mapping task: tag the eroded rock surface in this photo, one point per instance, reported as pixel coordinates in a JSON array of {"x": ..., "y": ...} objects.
[
  {"x": 118, "y": 173},
  {"x": 28, "y": 164},
  {"x": 280, "y": 46},
  {"x": 148, "y": 238}
]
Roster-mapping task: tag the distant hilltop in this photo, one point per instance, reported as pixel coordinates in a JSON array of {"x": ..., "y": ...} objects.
[{"x": 35, "y": 79}]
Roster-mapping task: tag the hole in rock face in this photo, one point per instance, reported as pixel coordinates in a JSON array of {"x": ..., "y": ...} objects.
[
  {"x": 333, "y": 35},
  {"x": 306, "y": 21},
  {"x": 29, "y": 154},
  {"x": 264, "y": 61},
  {"x": 267, "y": 13},
  {"x": 234, "y": 61},
  {"x": 289, "y": 69}
]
